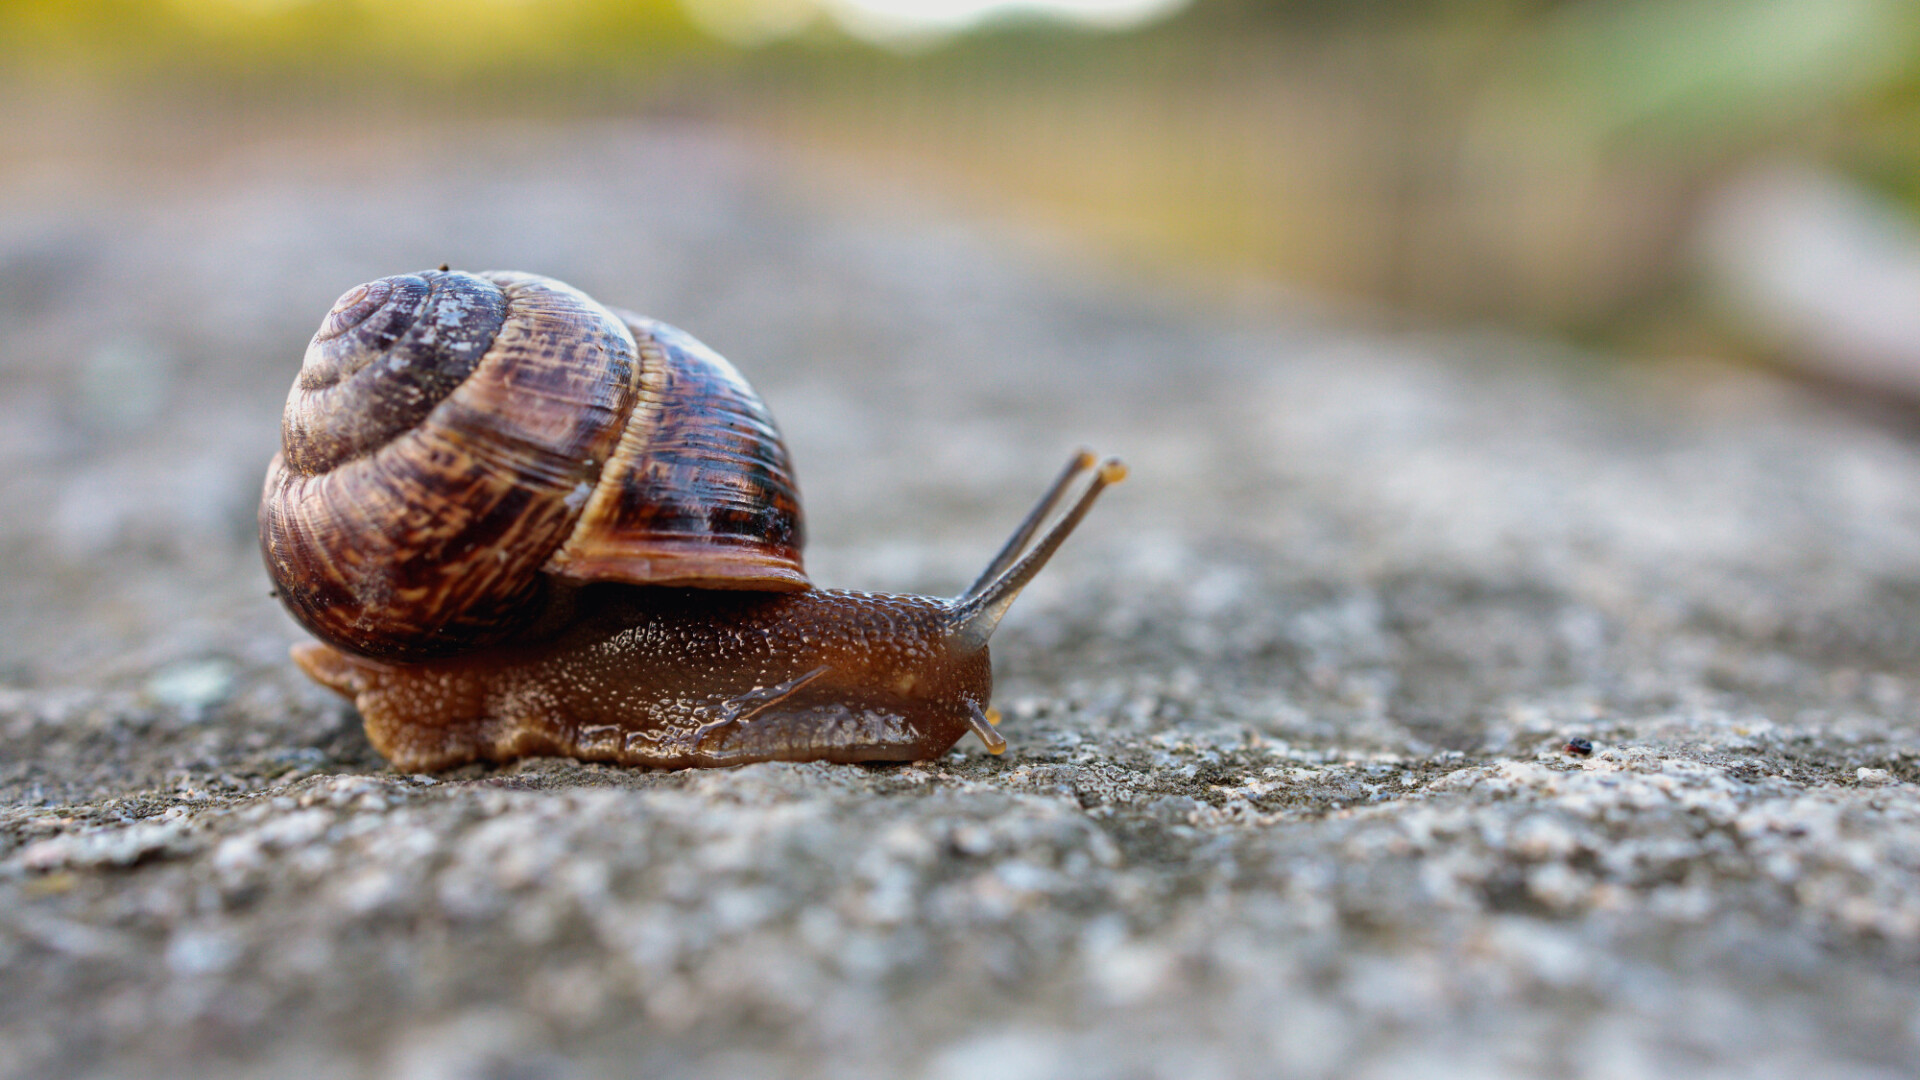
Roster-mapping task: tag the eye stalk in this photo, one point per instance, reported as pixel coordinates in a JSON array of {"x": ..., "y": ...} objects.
[{"x": 973, "y": 615}]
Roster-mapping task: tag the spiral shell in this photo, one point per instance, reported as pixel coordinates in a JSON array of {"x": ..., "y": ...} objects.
[{"x": 455, "y": 442}]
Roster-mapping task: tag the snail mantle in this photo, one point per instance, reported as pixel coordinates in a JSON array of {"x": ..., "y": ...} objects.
[{"x": 523, "y": 523}]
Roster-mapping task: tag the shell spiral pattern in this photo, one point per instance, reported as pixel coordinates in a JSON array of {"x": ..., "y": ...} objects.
[{"x": 456, "y": 442}]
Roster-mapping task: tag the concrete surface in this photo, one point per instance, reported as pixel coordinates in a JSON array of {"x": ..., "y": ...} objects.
[{"x": 1286, "y": 795}]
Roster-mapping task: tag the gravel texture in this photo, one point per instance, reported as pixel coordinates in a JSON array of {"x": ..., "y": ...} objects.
[{"x": 1289, "y": 791}]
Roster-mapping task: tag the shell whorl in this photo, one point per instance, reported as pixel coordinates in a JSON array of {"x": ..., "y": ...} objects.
[{"x": 453, "y": 440}]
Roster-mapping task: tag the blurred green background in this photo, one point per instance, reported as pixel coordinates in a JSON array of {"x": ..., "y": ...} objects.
[{"x": 1544, "y": 165}]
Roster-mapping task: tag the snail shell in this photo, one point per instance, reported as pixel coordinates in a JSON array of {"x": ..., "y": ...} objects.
[{"x": 459, "y": 448}]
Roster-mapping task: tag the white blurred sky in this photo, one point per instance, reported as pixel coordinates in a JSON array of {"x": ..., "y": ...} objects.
[{"x": 907, "y": 22}]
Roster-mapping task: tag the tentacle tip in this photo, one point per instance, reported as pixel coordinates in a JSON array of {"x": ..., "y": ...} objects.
[
  {"x": 982, "y": 724},
  {"x": 1083, "y": 459},
  {"x": 1112, "y": 471}
]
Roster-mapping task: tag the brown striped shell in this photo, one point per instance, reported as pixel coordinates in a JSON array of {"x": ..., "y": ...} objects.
[{"x": 456, "y": 444}]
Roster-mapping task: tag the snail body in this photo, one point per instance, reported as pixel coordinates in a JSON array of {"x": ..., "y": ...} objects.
[
  {"x": 677, "y": 678},
  {"x": 521, "y": 523}
]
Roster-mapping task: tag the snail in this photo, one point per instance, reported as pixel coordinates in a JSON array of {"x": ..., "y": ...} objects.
[{"x": 522, "y": 523}]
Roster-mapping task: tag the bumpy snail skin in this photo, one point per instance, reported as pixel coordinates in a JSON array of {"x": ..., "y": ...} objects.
[{"x": 676, "y": 678}]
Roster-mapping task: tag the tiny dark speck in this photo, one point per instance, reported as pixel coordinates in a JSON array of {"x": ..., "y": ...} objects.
[
  {"x": 1579, "y": 747},
  {"x": 444, "y": 268},
  {"x": 273, "y": 594}
]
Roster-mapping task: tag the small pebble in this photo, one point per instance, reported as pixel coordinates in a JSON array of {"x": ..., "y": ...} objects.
[
  {"x": 192, "y": 686},
  {"x": 1579, "y": 747}
]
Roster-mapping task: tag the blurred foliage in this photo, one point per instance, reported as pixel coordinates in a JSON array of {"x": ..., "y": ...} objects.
[
  {"x": 1529, "y": 160},
  {"x": 292, "y": 39}
]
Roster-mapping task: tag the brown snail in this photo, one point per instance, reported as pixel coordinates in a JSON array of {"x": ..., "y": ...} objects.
[{"x": 525, "y": 524}]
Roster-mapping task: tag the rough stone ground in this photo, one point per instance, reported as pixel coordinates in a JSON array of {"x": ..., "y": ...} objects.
[{"x": 1285, "y": 796}]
